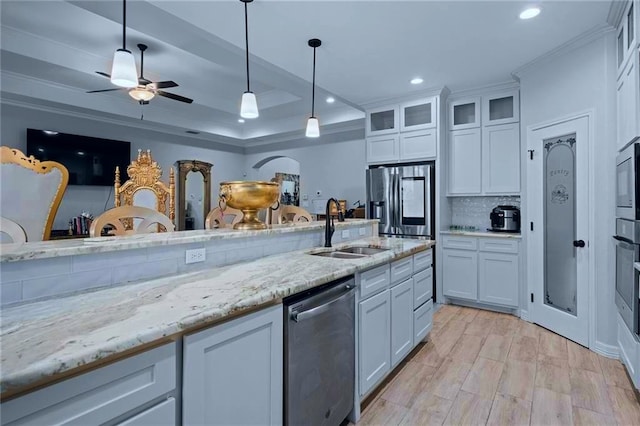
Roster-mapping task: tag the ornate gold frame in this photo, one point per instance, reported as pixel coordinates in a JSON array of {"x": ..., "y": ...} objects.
[
  {"x": 184, "y": 168},
  {"x": 144, "y": 173},
  {"x": 15, "y": 156}
]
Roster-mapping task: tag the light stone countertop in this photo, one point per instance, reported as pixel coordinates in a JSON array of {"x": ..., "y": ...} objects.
[
  {"x": 45, "y": 339},
  {"x": 78, "y": 246},
  {"x": 489, "y": 234}
]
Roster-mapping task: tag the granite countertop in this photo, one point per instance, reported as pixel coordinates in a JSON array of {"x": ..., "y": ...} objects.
[
  {"x": 45, "y": 339},
  {"x": 490, "y": 234},
  {"x": 45, "y": 249}
]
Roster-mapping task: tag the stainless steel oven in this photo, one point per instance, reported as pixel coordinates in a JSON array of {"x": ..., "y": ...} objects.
[
  {"x": 627, "y": 252},
  {"x": 627, "y": 183}
]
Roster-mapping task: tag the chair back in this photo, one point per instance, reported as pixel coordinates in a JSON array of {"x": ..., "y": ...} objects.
[
  {"x": 219, "y": 219},
  {"x": 11, "y": 230},
  {"x": 144, "y": 187},
  {"x": 31, "y": 192},
  {"x": 292, "y": 214},
  {"x": 118, "y": 217}
]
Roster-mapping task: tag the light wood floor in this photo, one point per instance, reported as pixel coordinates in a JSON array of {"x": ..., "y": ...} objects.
[{"x": 481, "y": 367}]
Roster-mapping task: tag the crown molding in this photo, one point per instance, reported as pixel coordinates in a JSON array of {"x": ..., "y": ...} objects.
[
  {"x": 426, "y": 93},
  {"x": 477, "y": 91},
  {"x": 575, "y": 43},
  {"x": 616, "y": 10}
]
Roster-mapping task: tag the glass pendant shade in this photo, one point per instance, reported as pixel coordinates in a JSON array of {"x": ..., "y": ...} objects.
[
  {"x": 249, "y": 106},
  {"x": 141, "y": 94},
  {"x": 123, "y": 72},
  {"x": 313, "y": 128}
]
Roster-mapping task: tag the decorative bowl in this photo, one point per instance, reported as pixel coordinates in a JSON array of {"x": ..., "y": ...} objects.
[{"x": 249, "y": 196}]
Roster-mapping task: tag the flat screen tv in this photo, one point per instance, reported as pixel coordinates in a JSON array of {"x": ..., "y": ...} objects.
[{"x": 90, "y": 161}]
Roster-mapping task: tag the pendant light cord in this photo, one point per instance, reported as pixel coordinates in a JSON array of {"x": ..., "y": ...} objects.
[
  {"x": 124, "y": 24},
  {"x": 313, "y": 88},
  {"x": 246, "y": 39}
]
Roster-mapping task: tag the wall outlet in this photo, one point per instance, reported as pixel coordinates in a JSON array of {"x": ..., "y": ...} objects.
[
  {"x": 345, "y": 233},
  {"x": 195, "y": 256},
  {"x": 362, "y": 232}
]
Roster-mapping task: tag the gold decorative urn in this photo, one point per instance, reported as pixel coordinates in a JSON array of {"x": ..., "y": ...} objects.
[{"x": 249, "y": 196}]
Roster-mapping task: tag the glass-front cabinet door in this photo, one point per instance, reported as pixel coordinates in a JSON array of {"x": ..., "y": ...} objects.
[
  {"x": 627, "y": 34},
  {"x": 381, "y": 121},
  {"x": 464, "y": 114},
  {"x": 501, "y": 108},
  {"x": 417, "y": 115}
]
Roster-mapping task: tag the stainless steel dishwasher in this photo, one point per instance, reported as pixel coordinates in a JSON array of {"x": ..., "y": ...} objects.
[{"x": 319, "y": 354}]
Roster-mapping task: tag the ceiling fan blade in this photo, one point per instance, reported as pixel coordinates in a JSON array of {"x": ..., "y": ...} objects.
[
  {"x": 103, "y": 90},
  {"x": 164, "y": 84},
  {"x": 104, "y": 74},
  {"x": 143, "y": 81},
  {"x": 174, "y": 97}
]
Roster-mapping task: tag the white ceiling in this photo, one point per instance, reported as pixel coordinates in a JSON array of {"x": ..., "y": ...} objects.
[{"x": 370, "y": 51}]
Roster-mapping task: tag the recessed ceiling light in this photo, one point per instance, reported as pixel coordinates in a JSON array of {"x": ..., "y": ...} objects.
[
  {"x": 417, "y": 80},
  {"x": 240, "y": 120},
  {"x": 529, "y": 13},
  {"x": 80, "y": 153},
  {"x": 49, "y": 132},
  {"x": 331, "y": 100}
]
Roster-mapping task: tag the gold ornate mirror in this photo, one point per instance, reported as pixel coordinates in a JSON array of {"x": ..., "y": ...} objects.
[{"x": 194, "y": 194}]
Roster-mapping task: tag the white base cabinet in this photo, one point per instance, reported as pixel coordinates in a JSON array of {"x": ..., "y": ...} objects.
[
  {"x": 395, "y": 313},
  {"x": 483, "y": 270},
  {"x": 375, "y": 335},
  {"x": 629, "y": 351},
  {"x": 163, "y": 414},
  {"x": 401, "y": 321},
  {"x": 234, "y": 371},
  {"x": 103, "y": 395}
]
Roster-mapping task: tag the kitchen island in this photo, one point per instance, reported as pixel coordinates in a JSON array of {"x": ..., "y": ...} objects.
[{"x": 56, "y": 338}]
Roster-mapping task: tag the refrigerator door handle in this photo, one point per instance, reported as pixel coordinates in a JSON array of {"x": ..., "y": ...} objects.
[{"x": 398, "y": 203}]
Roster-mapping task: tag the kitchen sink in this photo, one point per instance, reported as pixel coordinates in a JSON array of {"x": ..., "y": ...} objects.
[
  {"x": 339, "y": 255},
  {"x": 367, "y": 251}
]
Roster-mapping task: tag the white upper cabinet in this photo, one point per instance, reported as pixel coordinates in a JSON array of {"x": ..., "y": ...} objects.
[
  {"x": 628, "y": 103},
  {"x": 501, "y": 159},
  {"x": 627, "y": 35},
  {"x": 418, "y": 115},
  {"x": 382, "y": 121},
  {"x": 382, "y": 149},
  {"x": 418, "y": 145},
  {"x": 464, "y": 114},
  {"x": 501, "y": 108},
  {"x": 464, "y": 162}
]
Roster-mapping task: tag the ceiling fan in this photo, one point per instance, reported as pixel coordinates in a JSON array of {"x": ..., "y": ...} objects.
[{"x": 146, "y": 89}]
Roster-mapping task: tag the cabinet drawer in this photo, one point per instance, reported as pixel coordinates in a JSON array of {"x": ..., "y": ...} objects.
[
  {"x": 163, "y": 414},
  {"x": 499, "y": 245},
  {"x": 99, "y": 395},
  {"x": 461, "y": 243},
  {"x": 422, "y": 287},
  {"x": 374, "y": 280},
  {"x": 401, "y": 270},
  {"x": 422, "y": 260},
  {"x": 422, "y": 322}
]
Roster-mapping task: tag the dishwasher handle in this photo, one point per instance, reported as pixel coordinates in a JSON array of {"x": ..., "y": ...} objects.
[{"x": 310, "y": 313}]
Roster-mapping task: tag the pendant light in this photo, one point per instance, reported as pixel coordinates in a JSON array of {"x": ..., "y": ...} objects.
[
  {"x": 249, "y": 105},
  {"x": 313, "y": 127},
  {"x": 123, "y": 71}
]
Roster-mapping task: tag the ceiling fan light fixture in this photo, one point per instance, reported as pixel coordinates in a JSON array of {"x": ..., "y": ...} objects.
[
  {"x": 123, "y": 71},
  {"x": 140, "y": 94},
  {"x": 313, "y": 128},
  {"x": 249, "y": 105}
]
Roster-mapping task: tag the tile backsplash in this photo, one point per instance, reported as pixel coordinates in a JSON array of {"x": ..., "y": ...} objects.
[{"x": 474, "y": 211}]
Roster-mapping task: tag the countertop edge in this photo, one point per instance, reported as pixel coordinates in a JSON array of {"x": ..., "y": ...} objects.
[{"x": 483, "y": 234}]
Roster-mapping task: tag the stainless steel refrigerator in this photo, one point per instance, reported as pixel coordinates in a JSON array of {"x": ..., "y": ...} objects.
[{"x": 402, "y": 198}]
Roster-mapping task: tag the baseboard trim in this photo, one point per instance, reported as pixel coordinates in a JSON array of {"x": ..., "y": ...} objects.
[
  {"x": 487, "y": 307},
  {"x": 524, "y": 315},
  {"x": 610, "y": 351}
]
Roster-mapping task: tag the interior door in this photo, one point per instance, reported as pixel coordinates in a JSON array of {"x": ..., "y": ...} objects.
[{"x": 558, "y": 206}]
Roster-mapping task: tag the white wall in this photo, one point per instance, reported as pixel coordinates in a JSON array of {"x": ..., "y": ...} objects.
[
  {"x": 277, "y": 165},
  {"x": 565, "y": 85},
  {"x": 15, "y": 120},
  {"x": 335, "y": 169}
]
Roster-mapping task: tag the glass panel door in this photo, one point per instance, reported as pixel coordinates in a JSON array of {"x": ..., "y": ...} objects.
[
  {"x": 464, "y": 114},
  {"x": 560, "y": 281},
  {"x": 383, "y": 120}
]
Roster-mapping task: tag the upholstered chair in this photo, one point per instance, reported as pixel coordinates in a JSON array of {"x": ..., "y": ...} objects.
[
  {"x": 291, "y": 214},
  {"x": 30, "y": 192},
  {"x": 219, "y": 219},
  {"x": 11, "y": 232}
]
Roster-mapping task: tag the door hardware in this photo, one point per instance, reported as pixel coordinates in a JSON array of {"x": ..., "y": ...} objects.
[
  {"x": 531, "y": 151},
  {"x": 579, "y": 243}
]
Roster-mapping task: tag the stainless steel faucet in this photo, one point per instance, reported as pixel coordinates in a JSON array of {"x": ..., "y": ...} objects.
[{"x": 329, "y": 228}]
